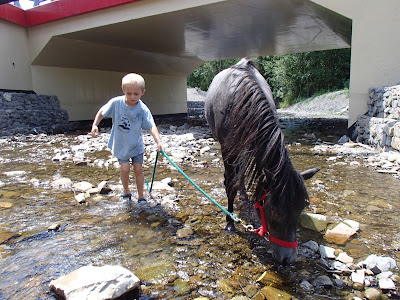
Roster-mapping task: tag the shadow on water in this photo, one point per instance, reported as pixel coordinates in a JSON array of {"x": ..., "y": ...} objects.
[{"x": 147, "y": 240}]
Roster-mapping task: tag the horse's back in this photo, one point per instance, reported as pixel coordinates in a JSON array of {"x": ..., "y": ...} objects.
[
  {"x": 221, "y": 95},
  {"x": 216, "y": 106}
]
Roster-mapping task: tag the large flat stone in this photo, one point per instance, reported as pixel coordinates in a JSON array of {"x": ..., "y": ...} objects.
[{"x": 95, "y": 283}]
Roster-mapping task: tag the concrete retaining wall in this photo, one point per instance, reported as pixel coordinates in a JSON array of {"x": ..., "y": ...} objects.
[{"x": 381, "y": 125}]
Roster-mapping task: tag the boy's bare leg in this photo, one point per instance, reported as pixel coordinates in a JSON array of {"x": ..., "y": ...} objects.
[
  {"x": 125, "y": 169},
  {"x": 138, "y": 169}
]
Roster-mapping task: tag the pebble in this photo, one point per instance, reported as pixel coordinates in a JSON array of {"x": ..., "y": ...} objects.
[
  {"x": 344, "y": 258},
  {"x": 372, "y": 294},
  {"x": 323, "y": 280},
  {"x": 305, "y": 285},
  {"x": 184, "y": 232},
  {"x": 311, "y": 245},
  {"x": 358, "y": 276},
  {"x": 386, "y": 284},
  {"x": 327, "y": 252},
  {"x": 82, "y": 186}
]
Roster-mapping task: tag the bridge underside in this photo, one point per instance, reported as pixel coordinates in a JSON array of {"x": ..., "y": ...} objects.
[{"x": 175, "y": 42}]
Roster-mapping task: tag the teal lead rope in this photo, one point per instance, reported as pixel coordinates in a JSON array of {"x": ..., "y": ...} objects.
[{"x": 231, "y": 215}]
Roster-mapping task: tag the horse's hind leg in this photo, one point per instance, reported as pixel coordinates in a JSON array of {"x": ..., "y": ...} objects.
[
  {"x": 231, "y": 193},
  {"x": 243, "y": 194}
]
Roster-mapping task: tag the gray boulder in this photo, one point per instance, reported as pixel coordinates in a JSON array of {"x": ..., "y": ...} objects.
[{"x": 97, "y": 283}]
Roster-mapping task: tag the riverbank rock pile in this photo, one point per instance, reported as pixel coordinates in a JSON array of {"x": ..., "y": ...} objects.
[
  {"x": 357, "y": 154},
  {"x": 380, "y": 126},
  {"x": 23, "y": 113}
]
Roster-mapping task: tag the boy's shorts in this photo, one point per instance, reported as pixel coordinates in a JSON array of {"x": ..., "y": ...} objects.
[{"x": 136, "y": 159}]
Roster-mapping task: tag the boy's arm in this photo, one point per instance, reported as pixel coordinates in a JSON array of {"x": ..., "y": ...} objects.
[
  {"x": 97, "y": 119},
  {"x": 156, "y": 135}
]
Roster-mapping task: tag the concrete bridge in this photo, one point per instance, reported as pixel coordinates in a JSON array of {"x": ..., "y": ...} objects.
[{"x": 80, "y": 49}]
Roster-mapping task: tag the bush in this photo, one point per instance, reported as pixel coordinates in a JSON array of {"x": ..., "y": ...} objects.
[{"x": 291, "y": 76}]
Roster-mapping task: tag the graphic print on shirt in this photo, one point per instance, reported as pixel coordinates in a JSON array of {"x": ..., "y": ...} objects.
[{"x": 125, "y": 124}]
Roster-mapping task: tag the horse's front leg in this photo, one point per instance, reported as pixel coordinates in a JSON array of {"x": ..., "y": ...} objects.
[{"x": 231, "y": 193}]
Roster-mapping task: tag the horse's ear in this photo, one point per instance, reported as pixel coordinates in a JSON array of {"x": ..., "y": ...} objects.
[{"x": 307, "y": 174}]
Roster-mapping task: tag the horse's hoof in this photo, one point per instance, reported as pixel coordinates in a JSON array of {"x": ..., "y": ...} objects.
[{"x": 230, "y": 228}]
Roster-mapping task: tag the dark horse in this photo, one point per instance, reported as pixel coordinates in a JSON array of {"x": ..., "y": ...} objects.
[{"x": 241, "y": 113}]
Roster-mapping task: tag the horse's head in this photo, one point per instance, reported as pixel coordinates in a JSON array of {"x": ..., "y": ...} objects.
[{"x": 282, "y": 221}]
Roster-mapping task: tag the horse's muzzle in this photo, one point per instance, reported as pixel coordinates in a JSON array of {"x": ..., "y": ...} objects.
[{"x": 284, "y": 256}]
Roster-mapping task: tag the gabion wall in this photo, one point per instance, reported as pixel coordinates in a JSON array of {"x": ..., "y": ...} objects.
[
  {"x": 30, "y": 113},
  {"x": 380, "y": 126}
]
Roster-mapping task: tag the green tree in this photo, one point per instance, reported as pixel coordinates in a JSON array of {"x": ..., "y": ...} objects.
[
  {"x": 202, "y": 76},
  {"x": 291, "y": 76}
]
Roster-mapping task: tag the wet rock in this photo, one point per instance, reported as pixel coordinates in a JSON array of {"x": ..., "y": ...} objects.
[
  {"x": 314, "y": 222},
  {"x": 313, "y": 246},
  {"x": 6, "y": 204},
  {"x": 305, "y": 285},
  {"x": 181, "y": 287},
  {"x": 54, "y": 227},
  {"x": 358, "y": 276},
  {"x": 372, "y": 294},
  {"x": 340, "y": 234},
  {"x": 353, "y": 224},
  {"x": 6, "y": 236},
  {"x": 184, "y": 232},
  {"x": 82, "y": 186},
  {"x": 104, "y": 188},
  {"x": 62, "y": 183},
  {"x": 81, "y": 198},
  {"x": 15, "y": 173},
  {"x": 92, "y": 191},
  {"x": 204, "y": 150},
  {"x": 344, "y": 258},
  {"x": 164, "y": 184},
  {"x": 272, "y": 293},
  {"x": 327, "y": 252},
  {"x": 10, "y": 194},
  {"x": 383, "y": 275},
  {"x": 250, "y": 290},
  {"x": 358, "y": 286},
  {"x": 337, "y": 265},
  {"x": 90, "y": 282},
  {"x": 270, "y": 278},
  {"x": 386, "y": 284},
  {"x": 383, "y": 263},
  {"x": 155, "y": 270},
  {"x": 323, "y": 280}
]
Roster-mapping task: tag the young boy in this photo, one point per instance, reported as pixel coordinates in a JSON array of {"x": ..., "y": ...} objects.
[{"x": 129, "y": 115}]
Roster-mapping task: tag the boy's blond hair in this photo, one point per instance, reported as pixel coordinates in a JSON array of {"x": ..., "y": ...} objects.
[{"x": 133, "y": 78}]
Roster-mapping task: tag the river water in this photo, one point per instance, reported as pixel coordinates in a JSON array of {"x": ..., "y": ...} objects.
[{"x": 208, "y": 262}]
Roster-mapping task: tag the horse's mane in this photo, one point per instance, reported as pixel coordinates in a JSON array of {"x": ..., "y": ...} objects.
[{"x": 254, "y": 145}]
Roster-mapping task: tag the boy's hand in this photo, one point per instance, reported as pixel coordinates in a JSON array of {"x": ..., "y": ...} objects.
[
  {"x": 95, "y": 131},
  {"x": 160, "y": 147}
]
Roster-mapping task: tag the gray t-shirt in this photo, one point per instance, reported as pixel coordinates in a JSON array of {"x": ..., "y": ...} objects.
[{"x": 126, "y": 139}]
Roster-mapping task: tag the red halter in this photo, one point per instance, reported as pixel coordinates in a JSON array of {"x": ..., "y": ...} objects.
[{"x": 263, "y": 230}]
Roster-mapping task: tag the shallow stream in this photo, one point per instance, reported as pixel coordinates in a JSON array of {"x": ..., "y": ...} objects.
[{"x": 210, "y": 262}]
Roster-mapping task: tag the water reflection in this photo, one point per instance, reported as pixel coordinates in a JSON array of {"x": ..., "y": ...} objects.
[{"x": 210, "y": 262}]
